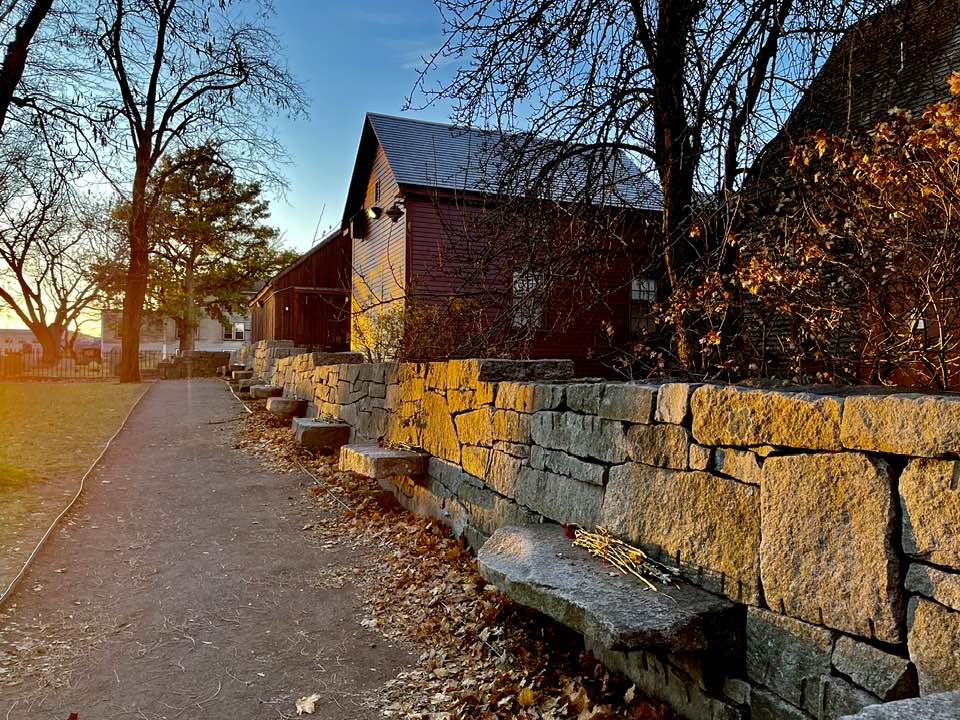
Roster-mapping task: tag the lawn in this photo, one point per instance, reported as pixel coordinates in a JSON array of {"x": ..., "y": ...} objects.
[{"x": 50, "y": 433}]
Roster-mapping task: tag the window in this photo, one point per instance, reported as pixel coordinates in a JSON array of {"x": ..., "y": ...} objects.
[
  {"x": 527, "y": 310},
  {"x": 643, "y": 294},
  {"x": 233, "y": 332}
]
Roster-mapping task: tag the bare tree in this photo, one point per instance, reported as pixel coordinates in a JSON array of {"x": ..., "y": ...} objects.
[
  {"x": 178, "y": 73},
  {"x": 28, "y": 17},
  {"x": 50, "y": 251},
  {"x": 690, "y": 89}
]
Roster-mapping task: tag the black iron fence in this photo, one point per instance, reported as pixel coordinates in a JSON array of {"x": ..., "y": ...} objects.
[{"x": 84, "y": 363}]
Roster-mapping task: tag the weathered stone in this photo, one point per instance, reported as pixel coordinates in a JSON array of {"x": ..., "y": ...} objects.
[
  {"x": 548, "y": 397},
  {"x": 559, "y": 498},
  {"x": 736, "y": 690},
  {"x": 700, "y": 457},
  {"x": 934, "y": 583},
  {"x": 544, "y": 370},
  {"x": 497, "y": 470},
  {"x": 767, "y": 706},
  {"x": 665, "y": 446},
  {"x": 673, "y": 402},
  {"x": 658, "y": 679},
  {"x": 516, "y": 396},
  {"x": 843, "y": 569},
  {"x": 537, "y": 566},
  {"x": 584, "y": 397},
  {"x": 241, "y": 374},
  {"x": 740, "y": 464},
  {"x": 740, "y": 416},
  {"x": 931, "y": 511},
  {"x": 324, "y": 437},
  {"x": 840, "y": 697},
  {"x": 378, "y": 462},
  {"x": 941, "y": 706},
  {"x": 475, "y": 427},
  {"x": 485, "y": 509},
  {"x": 286, "y": 407},
  {"x": 630, "y": 402},
  {"x": 903, "y": 423},
  {"x": 439, "y": 436},
  {"x": 246, "y": 385},
  {"x": 788, "y": 657},
  {"x": 887, "y": 676},
  {"x": 934, "y": 643},
  {"x": 559, "y": 462},
  {"x": 585, "y": 436},
  {"x": 665, "y": 511}
]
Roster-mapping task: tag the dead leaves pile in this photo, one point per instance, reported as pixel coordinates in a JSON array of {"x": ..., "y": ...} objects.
[{"x": 481, "y": 655}]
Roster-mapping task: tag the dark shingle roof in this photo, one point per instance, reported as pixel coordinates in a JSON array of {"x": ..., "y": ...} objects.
[{"x": 430, "y": 154}]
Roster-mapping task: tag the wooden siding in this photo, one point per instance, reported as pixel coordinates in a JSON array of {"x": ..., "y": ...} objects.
[
  {"x": 308, "y": 303},
  {"x": 379, "y": 258},
  {"x": 437, "y": 226}
]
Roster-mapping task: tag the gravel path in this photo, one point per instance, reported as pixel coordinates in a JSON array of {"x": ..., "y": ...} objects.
[{"x": 183, "y": 586}]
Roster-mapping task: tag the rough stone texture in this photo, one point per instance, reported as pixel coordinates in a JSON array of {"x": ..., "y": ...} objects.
[
  {"x": 544, "y": 370},
  {"x": 673, "y": 402},
  {"x": 930, "y": 497},
  {"x": 241, "y": 374},
  {"x": 262, "y": 392},
  {"x": 740, "y": 416},
  {"x": 499, "y": 470},
  {"x": 767, "y": 706},
  {"x": 827, "y": 554},
  {"x": 629, "y": 402},
  {"x": 788, "y": 657},
  {"x": 559, "y": 462},
  {"x": 700, "y": 457},
  {"x": 840, "y": 697},
  {"x": 934, "y": 583},
  {"x": 657, "y": 677},
  {"x": 941, "y": 706},
  {"x": 559, "y": 498},
  {"x": 378, "y": 462},
  {"x": 740, "y": 464},
  {"x": 286, "y": 407},
  {"x": 887, "y": 676},
  {"x": 934, "y": 644},
  {"x": 439, "y": 436},
  {"x": 666, "y": 446},
  {"x": 585, "y": 436},
  {"x": 906, "y": 424},
  {"x": 324, "y": 437},
  {"x": 665, "y": 512},
  {"x": 584, "y": 397},
  {"x": 537, "y": 566}
]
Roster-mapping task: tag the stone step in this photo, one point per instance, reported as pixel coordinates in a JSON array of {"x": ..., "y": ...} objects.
[
  {"x": 262, "y": 392},
  {"x": 245, "y": 385},
  {"x": 241, "y": 374},
  {"x": 286, "y": 407},
  {"x": 322, "y": 436},
  {"x": 537, "y": 566},
  {"x": 382, "y": 463}
]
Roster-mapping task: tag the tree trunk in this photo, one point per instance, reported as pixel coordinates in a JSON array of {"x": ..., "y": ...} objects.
[
  {"x": 185, "y": 333},
  {"x": 49, "y": 339},
  {"x": 189, "y": 319},
  {"x": 136, "y": 286},
  {"x": 15, "y": 59}
]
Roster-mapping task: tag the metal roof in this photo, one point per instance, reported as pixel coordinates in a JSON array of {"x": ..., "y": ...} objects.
[{"x": 430, "y": 154}]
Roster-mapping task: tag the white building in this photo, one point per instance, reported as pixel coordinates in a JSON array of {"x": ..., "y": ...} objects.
[{"x": 159, "y": 334}]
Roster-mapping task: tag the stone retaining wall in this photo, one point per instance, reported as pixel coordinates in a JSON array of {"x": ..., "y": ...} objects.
[
  {"x": 267, "y": 352},
  {"x": 196, "y": 363},
  {"x": 833, "y": 518}
]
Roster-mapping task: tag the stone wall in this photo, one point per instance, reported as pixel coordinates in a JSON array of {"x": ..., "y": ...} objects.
[
  {"x": 267, "y": 352},
  {"x": 196, "y": 363},
  {"x": 832, "y": 518}
]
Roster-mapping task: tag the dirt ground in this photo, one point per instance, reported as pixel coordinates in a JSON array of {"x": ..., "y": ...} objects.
[{"x": 184, "y": 586}]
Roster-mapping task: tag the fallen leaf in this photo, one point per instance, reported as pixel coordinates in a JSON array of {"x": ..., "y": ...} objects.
[{"x": 307, "y": 704}]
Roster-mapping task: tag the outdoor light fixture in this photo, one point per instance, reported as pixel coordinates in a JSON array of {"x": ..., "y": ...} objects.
[
  {"x": 395, "y": 211},
  {"x": 374, "y": 212}
]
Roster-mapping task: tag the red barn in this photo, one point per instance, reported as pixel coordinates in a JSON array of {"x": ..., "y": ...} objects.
[
  {"x": 308, "y": 301},
  {"x": 433, "y": 275}
]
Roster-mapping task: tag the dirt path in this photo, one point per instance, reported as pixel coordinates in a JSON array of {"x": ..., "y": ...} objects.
[{"x": 183, "y": 587}]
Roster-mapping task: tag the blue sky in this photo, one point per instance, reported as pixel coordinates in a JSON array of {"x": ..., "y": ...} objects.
[{"x": 351, "y": 57}]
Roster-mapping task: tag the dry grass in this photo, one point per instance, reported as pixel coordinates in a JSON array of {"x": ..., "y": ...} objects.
[{"x": 50, "y": 433}]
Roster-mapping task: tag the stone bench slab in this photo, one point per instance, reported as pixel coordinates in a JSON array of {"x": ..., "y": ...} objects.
[
  {"x": 382, "y": 463},
  {"x": 941, "y": 706},
  {"x": 537, "y": 566},
  {"x": 286, "y": 407},
  {"x": 245, "y": 385},
  {"x": 242, "y": 374},
  {"x": 319, "y": 435},
  {"x": 263, "y": 392}
]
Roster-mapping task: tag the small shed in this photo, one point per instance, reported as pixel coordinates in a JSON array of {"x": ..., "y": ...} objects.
[{"x": 308, "y": 301}]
